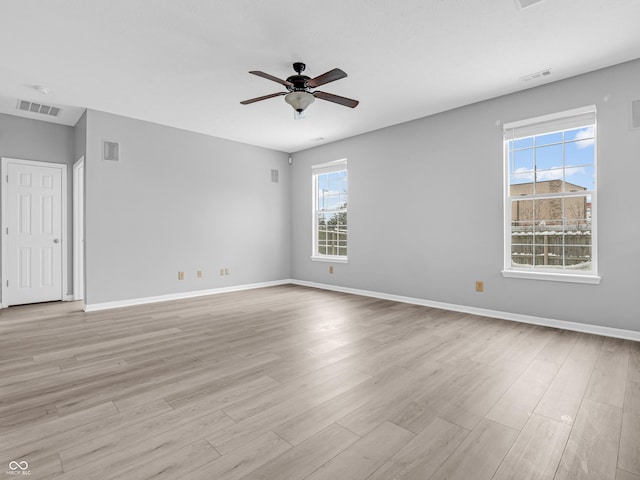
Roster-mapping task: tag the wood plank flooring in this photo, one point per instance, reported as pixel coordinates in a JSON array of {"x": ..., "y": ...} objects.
[{"x": 295, "y": 383}]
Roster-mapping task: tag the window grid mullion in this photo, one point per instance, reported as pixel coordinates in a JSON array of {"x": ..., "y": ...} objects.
[
  {"x": 545, "y": 244},
  {"x": 330, "y": 243}
]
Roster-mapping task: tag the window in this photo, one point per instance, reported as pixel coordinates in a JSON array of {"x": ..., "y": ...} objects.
[
  {"x": 330, "y": 211},
  {"x": 550, "y": 197}
]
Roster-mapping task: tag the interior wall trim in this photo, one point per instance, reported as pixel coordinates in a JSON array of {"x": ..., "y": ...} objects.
[
  {"x": 515, "y": 317},
  {"x": 94, "y": 307}
]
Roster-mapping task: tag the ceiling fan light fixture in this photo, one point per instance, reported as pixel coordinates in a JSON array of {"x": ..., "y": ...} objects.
[
  {"x": 299, "y": 94},
  {"x": 299, "y": 101}
]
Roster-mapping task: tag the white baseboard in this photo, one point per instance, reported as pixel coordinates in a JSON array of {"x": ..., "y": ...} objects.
[
  {"x": 179, "y": 296},
  {"x": 516, "y": 317}
]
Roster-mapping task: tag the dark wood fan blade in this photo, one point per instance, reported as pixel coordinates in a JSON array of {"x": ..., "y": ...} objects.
[
  {"x": 330, "y": 76},
  {"x": 257, "y": 99},
  {"x": 330, "y": 97},
  {"x": 272, "y": 78}
]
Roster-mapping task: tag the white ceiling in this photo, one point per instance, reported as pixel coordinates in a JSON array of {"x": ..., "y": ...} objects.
[{"x": 184, "y": 63}]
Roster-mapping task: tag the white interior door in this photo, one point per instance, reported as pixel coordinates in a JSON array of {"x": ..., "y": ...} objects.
[{"x": 33, "y": 234}]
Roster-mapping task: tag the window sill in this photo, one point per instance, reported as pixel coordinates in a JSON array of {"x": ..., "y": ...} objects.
[
  {"x": 327, "y": 258},
  {"x": 552, "y": 276}
]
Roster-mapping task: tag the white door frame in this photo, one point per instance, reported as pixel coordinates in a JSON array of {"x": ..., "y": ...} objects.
[
  {"x": 78, "y": 229},
  {"x": 3, "y": 214}
]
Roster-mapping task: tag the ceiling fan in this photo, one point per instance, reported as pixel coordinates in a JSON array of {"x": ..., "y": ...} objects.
[{"x": 299, "y": 94}]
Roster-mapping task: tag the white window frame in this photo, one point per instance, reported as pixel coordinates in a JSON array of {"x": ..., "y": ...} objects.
[
  {"x": 570, "y": 119},
  {"x": 329, "y": 167}
]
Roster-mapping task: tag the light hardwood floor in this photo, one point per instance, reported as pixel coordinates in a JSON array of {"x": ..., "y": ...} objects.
[{"x": 295, "y": 383}]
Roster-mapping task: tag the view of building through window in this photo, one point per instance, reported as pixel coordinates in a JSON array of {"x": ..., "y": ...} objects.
[
  {"x": 331, "y": 212},
  {"x": 551, "y": 190}
]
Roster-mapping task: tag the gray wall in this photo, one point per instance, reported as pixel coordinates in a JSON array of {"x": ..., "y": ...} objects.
[
  {"x": 411, "y": 183},
  {"x": 29, "y": 139},
  {"x": 180, "y": 201},
  {"x": 80, "y": 131}
]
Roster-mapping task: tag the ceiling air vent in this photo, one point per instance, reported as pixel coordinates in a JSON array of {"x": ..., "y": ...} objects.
[
  {"x": 33, "y": 107},
  {"x": 527, "y": 3},
  {"x": 536, "y": 76}
]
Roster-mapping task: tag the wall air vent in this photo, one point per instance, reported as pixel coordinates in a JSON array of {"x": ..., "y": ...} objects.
[
  {"x": 536, "y": 76},
  {"x": 110, "y": 151},
  {"x": 40, "y": 108},
  {"x": 635, "y": 114}
]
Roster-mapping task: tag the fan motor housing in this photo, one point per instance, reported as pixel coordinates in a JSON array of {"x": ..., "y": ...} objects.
[{"x": 299, "y": 83}]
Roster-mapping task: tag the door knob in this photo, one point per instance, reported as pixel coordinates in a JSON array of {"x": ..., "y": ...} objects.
[{"x": 56, "y": 240}]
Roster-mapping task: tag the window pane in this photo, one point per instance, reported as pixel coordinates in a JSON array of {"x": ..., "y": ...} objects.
[
  {"x": 576, "y": 213},
  {"x": 521, "y": 233},
  {"x": 579, "y": 161},
  {"x": 522, "y": 213},
  {"x": 521, "y": 167},
  {"x": 545, "y": 179},
  {"x": 523, "y": 143},
  {"x": 333, "y": 177},
  {"x": 579, "y": 134},
  {"x": 548, "y": 212},
  {"x": 520, "y": 190},
  {"x": 323, "y": 182},
  {"x": 548, "y": 160},
  {"x": 549, "y": 157},
  {"x": 578, "y": 257},
  {"x": 332, "y": 202},
  {"x": 579, "y": 179},
  {"x": 579, "y": 153},
  {"x": 338, "y": 182},
  {"x": 342, "y": 185},
  {"x": 549, "y": 139},
  {"x": 521, "y": 256},
  {"x": 548, "y": 247}
]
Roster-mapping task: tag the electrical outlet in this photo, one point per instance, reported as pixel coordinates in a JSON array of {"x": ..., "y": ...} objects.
[
  {"x": 227, "y": 271},
  {"x": 331, "y": 269},
  {"x": 221, "y": 271},
  {"x": 199, "y": 273},
  {"x": 180, "y": 275},
  {"x": 479, "y": 286}
]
